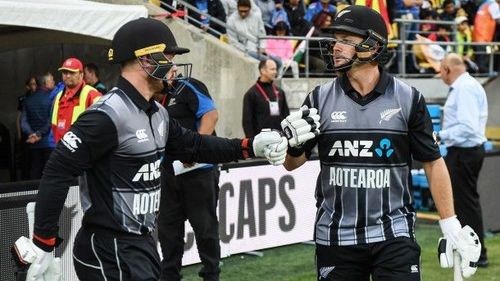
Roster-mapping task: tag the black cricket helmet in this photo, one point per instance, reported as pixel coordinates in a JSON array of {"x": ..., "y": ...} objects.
[
  {"x": 361, "y": 21},
  {"x": 148, "y": 40}
]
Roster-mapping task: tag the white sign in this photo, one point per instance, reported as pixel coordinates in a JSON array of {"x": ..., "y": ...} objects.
[{"x": 262, "y": 207}]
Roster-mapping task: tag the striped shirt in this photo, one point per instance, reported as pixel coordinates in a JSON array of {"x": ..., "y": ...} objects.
[{"x": 365, "y": 149}]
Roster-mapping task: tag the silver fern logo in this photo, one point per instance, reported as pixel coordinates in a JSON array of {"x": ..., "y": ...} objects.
[
  {"x": 387, "y": 114},
  {"x": 325, "y": 271}
]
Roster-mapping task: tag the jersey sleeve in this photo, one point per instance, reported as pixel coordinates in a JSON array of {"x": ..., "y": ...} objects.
[
  {"x": 423, "y": 145},
  {"x": 189, "y": 146},
  {"x": 91, "y": 137}
]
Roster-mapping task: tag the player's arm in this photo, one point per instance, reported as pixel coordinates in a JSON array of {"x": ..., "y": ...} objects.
[
  {"x": 424, "y": 148},
  {"x": 188, "y": 146},
  {"x": 208, "y": 122},
  {"x": 299, "y": 151},
  {"x": 440, "y": 187},
  {"x": 90, "y": 137}
]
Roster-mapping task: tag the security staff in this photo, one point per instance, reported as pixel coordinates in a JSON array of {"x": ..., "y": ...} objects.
[
  {"x": 116, "y": 148},
  {"x": 194, "y": 192},
  {"x": 372, "y": 126},
  {"x": 73, "y": 99}
]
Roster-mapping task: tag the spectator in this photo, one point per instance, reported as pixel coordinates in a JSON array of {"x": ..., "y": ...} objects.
[
  {"x": 244, "y": 22},
  {"x": 427, "y": 28},
  {"x": 279, "y": 15},
  {"x": 449, "y": 11},
  {"x": 73, "y": 99},
  {"x": 91, "y": 77},
  {"x": 321, "y": 22},
  {"x": 35, "y": 123},
  {"x": 191, "y": 194},
  {"x": 318, "y": 7},
  {"x": 464, "y": 124},
  {"x": 469, "y": 8},
  {"x": 282, "y": 48},
  {"x": 22, "y": 148},
  {"x": 463, "y": 37},
  {"x": 485, "y": 22},
  {"x": 264, "y": 104},
  {"x": 267, "y": 9},
  {"x": 212, "y": 7},
  {"x": 408, "y": 9},
  {"x": 296, "y": 12},
  {"x": 230, "y": 6}
]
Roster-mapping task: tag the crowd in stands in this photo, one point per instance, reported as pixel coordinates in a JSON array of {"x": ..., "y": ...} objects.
[{"x": 462, "y": 22}]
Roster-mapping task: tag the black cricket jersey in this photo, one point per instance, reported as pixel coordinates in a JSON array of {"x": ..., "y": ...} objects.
[
  {"x": 116, "y": 147},
  {"x": 366, "y": 146}
]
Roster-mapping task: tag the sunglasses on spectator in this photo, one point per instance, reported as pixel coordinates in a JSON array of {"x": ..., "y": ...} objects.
[{"x": 246, "y": 11}]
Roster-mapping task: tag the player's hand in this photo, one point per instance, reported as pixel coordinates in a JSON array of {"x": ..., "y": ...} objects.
[
  {"x": 269, "y": 144},
  {"x": 42, "y": 265},
  {"x": 276, "y": 153},
  {"x": 462, "y": 240},
  {"x": 301, "y": 126}
]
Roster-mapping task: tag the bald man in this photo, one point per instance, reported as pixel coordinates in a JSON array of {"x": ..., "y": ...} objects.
[{"x": 463, "y": 133}]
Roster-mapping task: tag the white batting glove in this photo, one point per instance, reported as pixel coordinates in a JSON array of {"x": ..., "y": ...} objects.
[
  {"x": 263, "y": 139},
  {"x": 276, "y": 153},
  {"x": 42, "y": 265},
  {"x": 301, "y": 126},
  {"x": 462, "y": 240}
]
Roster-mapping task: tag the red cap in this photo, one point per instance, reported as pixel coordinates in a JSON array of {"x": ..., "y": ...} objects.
[{"x": 72, "y": 64}]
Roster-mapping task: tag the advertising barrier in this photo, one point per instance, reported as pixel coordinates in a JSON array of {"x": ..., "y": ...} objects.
[{"x": 259, "y": 207}]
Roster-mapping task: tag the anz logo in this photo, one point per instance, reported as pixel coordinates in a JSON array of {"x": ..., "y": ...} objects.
[
  {"x": 361, "y": 148},
  {"x": 148, "y": 172},
  {"x": 384, "y": 148}
]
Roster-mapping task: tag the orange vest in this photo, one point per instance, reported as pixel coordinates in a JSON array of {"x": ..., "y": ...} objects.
[{"x": 484, "y": 25}]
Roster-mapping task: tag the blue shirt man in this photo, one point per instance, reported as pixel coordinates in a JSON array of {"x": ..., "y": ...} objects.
[{"x": 464, "y": 124}]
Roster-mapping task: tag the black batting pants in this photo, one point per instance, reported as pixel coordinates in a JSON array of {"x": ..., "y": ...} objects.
[
  {"x": 464, "y": 165},
  {"x": 396, "y": 259},
  {"x": 191, "y": 196}
]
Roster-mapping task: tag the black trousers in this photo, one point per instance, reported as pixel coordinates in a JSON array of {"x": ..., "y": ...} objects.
[
  {"x": 392, "y": 260},
  {"x": 191, "y": 196},
  {"x": 39, "y": 156},
  {"x": 464, "y": 165},
  {"x": 102, "y": 255}
]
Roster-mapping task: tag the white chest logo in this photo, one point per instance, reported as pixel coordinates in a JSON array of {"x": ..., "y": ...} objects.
[
  {"x": 387, "y": 114},
  {"x": 338, "y": 117},
  {"x": 161, "y": 128},
  {"x": 141, "y": 135}
]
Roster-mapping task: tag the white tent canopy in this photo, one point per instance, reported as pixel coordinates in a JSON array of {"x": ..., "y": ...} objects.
[{"x": 94, "y": 19}]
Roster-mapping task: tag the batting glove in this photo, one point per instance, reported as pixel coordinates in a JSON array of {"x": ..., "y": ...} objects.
[
  {"x": 463, "y": 240},
  {"x": 42, "y": 265},
  {"x": 270, "y": 145},
  {"x": 301, "y": 126}
]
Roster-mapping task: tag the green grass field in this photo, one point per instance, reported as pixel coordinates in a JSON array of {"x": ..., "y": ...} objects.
[{"x": 296, "y": 262}]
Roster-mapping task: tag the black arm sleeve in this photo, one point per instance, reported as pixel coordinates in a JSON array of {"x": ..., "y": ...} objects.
[
  {"x": 423, "y": 145},
  {"x": 90, "y": 137},
  {"x": 188, "y": 146}
]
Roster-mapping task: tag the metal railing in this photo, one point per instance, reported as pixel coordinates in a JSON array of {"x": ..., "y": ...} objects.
[{"x": 403, "y": 43}]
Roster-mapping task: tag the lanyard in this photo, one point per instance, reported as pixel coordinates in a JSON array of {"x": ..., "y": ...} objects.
[{"x": 263, "y": 93}]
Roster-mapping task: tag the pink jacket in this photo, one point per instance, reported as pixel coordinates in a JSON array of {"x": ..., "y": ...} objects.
[{"x": 281, "y": 48}]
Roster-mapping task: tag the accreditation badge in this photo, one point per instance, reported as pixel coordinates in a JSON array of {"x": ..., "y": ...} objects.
[{"x": 274, "y": 108}]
